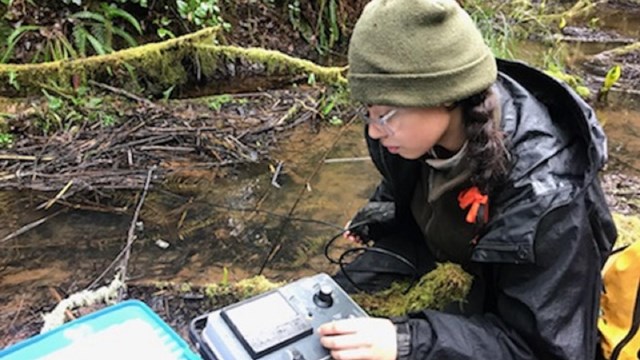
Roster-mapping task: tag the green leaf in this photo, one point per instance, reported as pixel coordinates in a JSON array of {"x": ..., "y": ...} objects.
[
  {"x": 182, "y": 7},
  {"x": 97, "y": 46},
  {"x": 53, "y": 102},
  {"x": 336, "y": 121},
  {"x": 67, "y": 46},
  {"x": 125, "y": 35},
  {"x": 88, "y": 15},
  {"x": 108, "y": 120},
  {"x": 333, "y": 22},
  {"x": 19, "y": 31},
  {"x": 162, "y": 33},
  {"x": 583, "y": 91},
  {"x": 93, "y": 102},
  {"x": 13, "y": 38},
  {"x": 311, "y": 80},
  {"x": 167, "y": 93},
  {"x": 225, "y": 276},
  {"x": 6, "y": 140},
  {"x": 217, "y": 101},
  {"x": 326, "y": 109},
  {"x": 113, "y": 12},
  {"x": 563, "y": 23},
  {"x": 201, "y": 12},
  {"x": 613, "y": 75},
  {"x": 80, "y": 39},
  {"x": 12, "y": 80}
]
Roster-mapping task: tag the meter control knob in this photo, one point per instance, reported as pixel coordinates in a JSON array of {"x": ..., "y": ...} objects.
[
  {"x": 293, "y": 354},
  {"x": 324, "y": 297}
]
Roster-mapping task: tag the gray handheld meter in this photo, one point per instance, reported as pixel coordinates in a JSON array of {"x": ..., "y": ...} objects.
[{"x": 277, "y": 325}]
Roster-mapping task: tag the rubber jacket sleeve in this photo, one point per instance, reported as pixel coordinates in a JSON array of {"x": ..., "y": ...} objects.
[{"x": 546, "y": 310}]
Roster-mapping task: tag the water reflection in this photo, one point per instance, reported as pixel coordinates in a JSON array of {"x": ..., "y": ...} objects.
[{"x": 208, "y": 224}]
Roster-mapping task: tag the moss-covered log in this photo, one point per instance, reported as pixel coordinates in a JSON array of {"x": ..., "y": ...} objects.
[
  {"x": 615, "y": 52},
  {"x": 160, "y": 63},
  {"x": 152, "y": 68},
  {"x": 269, "y": 61}
]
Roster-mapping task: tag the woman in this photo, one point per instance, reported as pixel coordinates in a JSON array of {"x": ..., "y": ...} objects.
[{"x": 489, "y": 164}]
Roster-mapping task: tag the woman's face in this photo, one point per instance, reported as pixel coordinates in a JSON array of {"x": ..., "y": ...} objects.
[{"x": 412, "y": 132}]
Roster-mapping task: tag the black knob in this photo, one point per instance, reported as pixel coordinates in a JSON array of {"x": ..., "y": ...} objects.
[
  {"x": 324, "y": 297},
  {"x": 295, "y": 354}
]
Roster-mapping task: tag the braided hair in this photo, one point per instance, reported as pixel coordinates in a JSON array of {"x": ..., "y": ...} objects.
[{"x": 486, "y": 150}]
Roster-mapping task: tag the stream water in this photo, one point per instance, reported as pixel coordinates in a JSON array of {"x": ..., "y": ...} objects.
[
  {"x": 210, "y": 225},
  {"x": 202, "y": 222}
]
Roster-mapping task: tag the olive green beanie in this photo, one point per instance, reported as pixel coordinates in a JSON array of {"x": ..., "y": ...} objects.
[{"x": 415, "y": 53}]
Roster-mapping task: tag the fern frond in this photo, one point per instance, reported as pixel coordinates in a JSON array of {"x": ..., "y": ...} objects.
[
  {"x": 97, "y": 45},
  {"x": 125, "y": 36},
  {"x": 113, "y": 12},
  {"x": 66, "y": 45},
  {"x": 88, "y": 15},
  {"x": 80, "y": 39},
  {"x": 13, "y": 39}
]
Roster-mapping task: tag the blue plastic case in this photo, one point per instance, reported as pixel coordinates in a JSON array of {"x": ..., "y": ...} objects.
[{"x": 128, "y": 330}]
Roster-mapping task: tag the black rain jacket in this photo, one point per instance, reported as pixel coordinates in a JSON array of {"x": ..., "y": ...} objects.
[{"x": 550, "y": 232}]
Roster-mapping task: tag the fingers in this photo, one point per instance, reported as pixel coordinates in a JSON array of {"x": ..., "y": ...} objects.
[
  {"x": 352, "y": 237},
  {"x": 342, "y": 342},
  {"x": 346, "y": 326},
  {"x": 360, "y": 338},
  {"x": 352, "y": 354}
]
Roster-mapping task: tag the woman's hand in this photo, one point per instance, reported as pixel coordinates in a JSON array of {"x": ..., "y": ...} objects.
[
  {"x": 360, "y": 339},
  {"x": 353, "y": 237}
]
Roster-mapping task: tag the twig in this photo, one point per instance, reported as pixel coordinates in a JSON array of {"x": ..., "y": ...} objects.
[
  {"x": 167, "y": 148},
  {"x": 58, "y": 196},
  {"x": 123, "y": 93},
  {"x": 131, "y": 235},
  {"x": 25, "y": 157},
  {"x": 343, "y": 160},
  {"x": 58, "y": 298},
  {"x": 274, "y": 179},
  {"x": 15, "y": 317},
  {"x": 28, "y": 227}
]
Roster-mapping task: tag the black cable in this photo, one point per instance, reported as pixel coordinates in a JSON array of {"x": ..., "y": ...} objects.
[
  {"x": 400, "y": 258},
  {"x": 341, "y": 260}
]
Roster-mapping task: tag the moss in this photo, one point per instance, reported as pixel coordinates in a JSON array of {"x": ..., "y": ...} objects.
[
  {"x": 446, "y": 284},
  {"x": 157, "y": 66},
  {"x": 161, "y": 63},
  {"x": 572, "y": 80},
  {"x": 628, "y": 227},
  {"x": 242, "y": 289},
  {"x": 185, "y": 287},
  {"x": 274, "y": 62}
]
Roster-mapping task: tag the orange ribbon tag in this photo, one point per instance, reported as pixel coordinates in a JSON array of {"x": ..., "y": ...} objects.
[{"x": 473, "y": 198}]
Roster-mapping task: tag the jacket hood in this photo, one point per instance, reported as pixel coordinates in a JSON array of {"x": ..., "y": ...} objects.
[
  {"x": 558, "y": 147},
  {"x": 545, "y": 120}
]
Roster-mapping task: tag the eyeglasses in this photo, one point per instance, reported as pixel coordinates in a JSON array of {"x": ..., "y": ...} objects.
[{"x": 382, "y": 122}]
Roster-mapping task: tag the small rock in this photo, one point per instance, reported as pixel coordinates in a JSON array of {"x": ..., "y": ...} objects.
[{"x": 162, "y": 244}]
